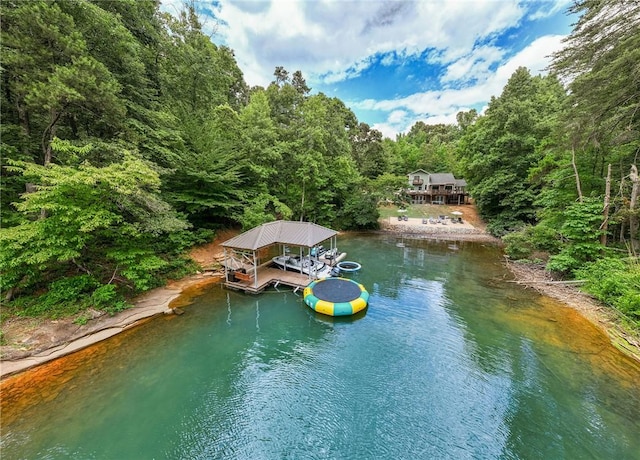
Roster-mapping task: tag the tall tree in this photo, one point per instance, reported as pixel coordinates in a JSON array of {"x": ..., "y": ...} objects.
[
  {"x": 367, "y": 151},
  {"x": 102, "y": 221},
  {"x": 206, "y": 184},
  {"x": 52, "y": 79},
  {"x": 499, "y": 150},
  {"x": 196, "y": 74},
  {"x": 601, "y": 60}
]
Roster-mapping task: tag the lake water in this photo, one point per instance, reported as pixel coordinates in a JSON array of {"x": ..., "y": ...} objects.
[{"x": 448, "y": 361}]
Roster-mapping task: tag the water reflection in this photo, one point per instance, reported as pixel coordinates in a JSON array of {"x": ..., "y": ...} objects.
[{"x": 448, "y": 361}]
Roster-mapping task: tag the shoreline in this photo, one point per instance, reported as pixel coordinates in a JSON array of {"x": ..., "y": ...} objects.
[
  {"x": 47, "y": 340},
  {"x": 52, "y": 339},
  {"x": 605, "y": 318}
]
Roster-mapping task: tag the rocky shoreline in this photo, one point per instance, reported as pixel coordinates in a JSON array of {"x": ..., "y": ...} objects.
[
  {"x": 535, "y": 277},
  {"x": 30, "y": 343}
]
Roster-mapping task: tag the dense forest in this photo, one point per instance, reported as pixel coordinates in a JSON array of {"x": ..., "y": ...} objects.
[{"x": 128, "y": 136}]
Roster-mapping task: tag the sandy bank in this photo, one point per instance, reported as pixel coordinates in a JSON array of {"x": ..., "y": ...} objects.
[{"x": 418, "y": 228}]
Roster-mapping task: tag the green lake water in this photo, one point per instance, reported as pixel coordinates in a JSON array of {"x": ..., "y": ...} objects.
[{"x": 449, "y": 361}]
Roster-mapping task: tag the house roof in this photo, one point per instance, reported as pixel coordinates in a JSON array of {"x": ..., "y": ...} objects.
[
  {"x": 461, "y": 182},
  {"x": 442, "y": 178},
  {"x": 281, "y": 231},
  {"x": 418, "y": 171}
]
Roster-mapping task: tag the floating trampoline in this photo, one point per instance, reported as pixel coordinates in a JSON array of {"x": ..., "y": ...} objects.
[
  {"x": 348, "y": 266},
  {"x": 336, "y": 296}
]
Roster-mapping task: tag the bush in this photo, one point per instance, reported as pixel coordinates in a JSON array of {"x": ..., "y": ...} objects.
[
  {"x": 518, "y": 244},
  {"x": 177, "y": 242},
  {"x": 573, "y": 257},
  {"x": 545, "y": 238},
  {"x": 521, "y": 243},
  {"x": 615, "y": 282},
  {"x": 65, "y": 297},
  {"x": 563, "y": 264},
  {"x": 581, "y": 231},
  {"x": 360, "y": 211},
  {"x": 104, "y": 295},
  {"x": 179, "y": 267},
  {"x": 139, "y": 266}
]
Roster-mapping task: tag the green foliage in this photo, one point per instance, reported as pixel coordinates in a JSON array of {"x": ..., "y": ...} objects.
[
  {"x": 498, "y": 151},
  {"x": 581, "y": 235},
  {"x": 104, "y": 295},
  {"x": 196, "y": 75},
  {"x": 387, "y": 186},
  {"x": 88, "y": 216},
  {"x": 601, "y": 60},
  {"x": 360, "y": 211},
  {"x": 262, "y": 209},
  {"x": 179, "y": 267},
  {"x": 367, "y": 150},
  {"x": 616, "y": 282},
  {"x": 70, "y": 296},
  {"x": 65, "y": 297},
  {"x": 428, "y": 147},
  {"x": 177, "y": 242},
  {"x": 518, "y": 245},
  {"x": 206, "y": 184},
  {"x": 107, "y": 298},
  {"x": 545, "y": 238},
  {"x": 522, "y": 243},
  {"x": 139, "y": 266}
]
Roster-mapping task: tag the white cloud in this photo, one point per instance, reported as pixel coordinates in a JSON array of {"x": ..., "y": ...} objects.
[
  {"x": 440, "y": 106},
  {"x": 387, "y": 129},
  {"x": 397, "y": 116},
  {"x": 473, "y": 66},
  {"x": 547, "y": 8},
  {"x": 337, "y": 39},
  {"x": 331, "y": 41}
]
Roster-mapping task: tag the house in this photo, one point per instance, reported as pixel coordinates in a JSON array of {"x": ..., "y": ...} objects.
[{"x": 436, "y": 188}]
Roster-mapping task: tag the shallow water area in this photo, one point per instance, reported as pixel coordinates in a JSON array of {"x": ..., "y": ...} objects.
[{"x": 448, "y": 361}]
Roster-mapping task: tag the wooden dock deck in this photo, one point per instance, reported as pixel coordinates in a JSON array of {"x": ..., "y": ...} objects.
[{"x": 268, "y": 276}]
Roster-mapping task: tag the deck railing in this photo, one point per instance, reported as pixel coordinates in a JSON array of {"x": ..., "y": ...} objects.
[{"x": 436, "y": 192}]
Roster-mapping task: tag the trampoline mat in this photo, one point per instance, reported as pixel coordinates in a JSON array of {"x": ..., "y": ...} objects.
[{"x": 336, "y": 290}]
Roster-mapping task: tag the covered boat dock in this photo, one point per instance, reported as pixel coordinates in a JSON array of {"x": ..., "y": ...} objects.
[{"x": 247, "y": 257}]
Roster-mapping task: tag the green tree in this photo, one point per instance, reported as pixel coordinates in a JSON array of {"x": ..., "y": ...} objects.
[
  {"x": 580, "y": 233},
  {"x": 387, "y": 187},
  {"x": 466, "y": 119},
  {"x": 367, "y": 150},
  {"x": 52, "y": 79},
  {"x": 206, "y": 183},
  {"x": 260, "y": 144},
  {"x": 499, "y": 150},
  {"x": 403, "y": 155},
  {"x": 101, "y": 221},
  {"x": 601, "y": 59},
  {"x": 196, "y": 74}
]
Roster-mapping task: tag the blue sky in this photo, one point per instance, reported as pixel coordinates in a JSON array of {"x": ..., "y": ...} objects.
[{"x": 392, "y": 62}]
